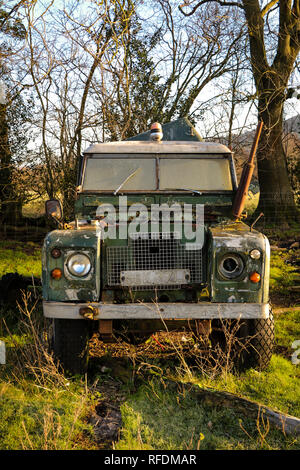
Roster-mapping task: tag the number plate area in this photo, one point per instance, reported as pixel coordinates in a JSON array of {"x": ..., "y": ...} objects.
[{"x": 165, "y": 277}]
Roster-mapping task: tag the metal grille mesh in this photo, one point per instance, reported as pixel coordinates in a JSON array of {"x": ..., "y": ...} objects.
[{"x": 153, "y": 251}]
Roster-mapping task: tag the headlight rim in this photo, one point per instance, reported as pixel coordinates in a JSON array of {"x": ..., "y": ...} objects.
[
  {"x": 86, "y": 271},
  {"x": 236, "y": 274}
]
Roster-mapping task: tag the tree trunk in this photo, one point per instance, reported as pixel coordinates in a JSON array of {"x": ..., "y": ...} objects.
[
  {"x": 271, "y": 80},
  {"x": 290, "y": 425},
  {"x": 261, "y": 414},
  {"x": 276, "y": 195},
  {"x": 10, "y": 206},
  {"x": 271, "y": 68},
  {"x": 5, "y": 167}
]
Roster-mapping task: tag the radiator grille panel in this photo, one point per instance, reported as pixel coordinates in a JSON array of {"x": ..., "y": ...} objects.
[{"x": 153, "y": 252}]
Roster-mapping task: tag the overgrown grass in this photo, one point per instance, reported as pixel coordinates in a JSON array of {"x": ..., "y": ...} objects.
[
  {"x": 21, "y": 258},
  {"x": 287, "y": 328},
  {"x": 282, "y": 273},
  {"x": 33, "y": 418},
  {"x": 172, "y": 418},
  {"x": 276, "y": 387},
  {"x": 163, "y": 416},
  {"x": 40, "y": 408}
]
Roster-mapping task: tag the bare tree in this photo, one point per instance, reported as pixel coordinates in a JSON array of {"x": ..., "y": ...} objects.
[
  {"x": 65, "y": 51},
  {"x": 165, "y": 62},
  {"x": 12, "y": 32}
]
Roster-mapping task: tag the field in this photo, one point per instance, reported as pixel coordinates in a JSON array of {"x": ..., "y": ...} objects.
[{"x": 146, "y": 397}]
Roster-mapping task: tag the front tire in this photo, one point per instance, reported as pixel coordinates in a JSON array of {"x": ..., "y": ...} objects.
[
  {"x": 257, "y": 340},
  {"x": 70, "y": 344},
  {"x": 243, "y": 344}
]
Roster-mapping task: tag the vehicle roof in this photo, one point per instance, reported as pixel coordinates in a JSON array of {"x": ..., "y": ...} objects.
[{"x": 163, "y": 147}]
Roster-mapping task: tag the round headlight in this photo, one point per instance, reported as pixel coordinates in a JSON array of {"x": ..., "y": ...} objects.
[
  {"x": 231, "y": 266},
  {"x": 255, "y": 254},
  {"x": 79, "y": 264}
]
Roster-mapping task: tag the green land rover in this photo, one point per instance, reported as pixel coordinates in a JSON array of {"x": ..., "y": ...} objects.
[{"x": 156, "y": 245}]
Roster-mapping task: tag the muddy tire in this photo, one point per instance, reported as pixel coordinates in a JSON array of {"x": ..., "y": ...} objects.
[
  {"x": 70, "y": 344},
  {"x": 256, "y": 342}
]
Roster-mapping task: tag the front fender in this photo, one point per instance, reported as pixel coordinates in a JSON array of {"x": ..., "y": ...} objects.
[
  {"x": 237, "y": 238},
  {"x": 70, "y": 288}
]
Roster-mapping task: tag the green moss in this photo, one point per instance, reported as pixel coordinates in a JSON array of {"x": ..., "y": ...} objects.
[
  {"x": 282, "y": 274},
  {"x": 287, "y": 328}
]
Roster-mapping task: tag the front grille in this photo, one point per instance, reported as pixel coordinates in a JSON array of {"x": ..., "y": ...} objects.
[{"x": 154, "y": 252}]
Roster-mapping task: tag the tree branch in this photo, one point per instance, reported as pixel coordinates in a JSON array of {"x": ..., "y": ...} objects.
[
  {"x": 203, "y": 2},
  {"x": 9, "y": 14},
  {"x": 268, "y": 7}
]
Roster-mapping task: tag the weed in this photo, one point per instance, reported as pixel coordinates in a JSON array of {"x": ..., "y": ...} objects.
[
  {"x": 40, "y": 407},
  {"x": 32, "y": 356}
]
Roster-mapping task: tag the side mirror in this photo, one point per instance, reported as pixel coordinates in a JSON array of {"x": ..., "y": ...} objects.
[{"x": 53, "y": 209}]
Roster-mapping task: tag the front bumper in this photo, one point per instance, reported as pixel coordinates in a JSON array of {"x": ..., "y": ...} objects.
[{"x": 166, "y": 311}]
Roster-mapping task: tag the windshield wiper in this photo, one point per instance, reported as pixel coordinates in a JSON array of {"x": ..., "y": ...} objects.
[
  {"x": 184, "y": 189},
  {"x": 125, "y": 181}
]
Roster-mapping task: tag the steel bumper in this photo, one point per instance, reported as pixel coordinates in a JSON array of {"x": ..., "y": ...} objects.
[{"x": 136, "y": 311}]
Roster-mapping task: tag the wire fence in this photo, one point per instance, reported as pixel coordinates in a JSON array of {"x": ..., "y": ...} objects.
[
  {"x": 271, "y": 214},
  {"x": 29, "y": 231}
]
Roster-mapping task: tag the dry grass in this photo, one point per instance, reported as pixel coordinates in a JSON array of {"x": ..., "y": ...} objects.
[
  {"x": 34, "y": 357},
  {"x": 48, "y": 408}
]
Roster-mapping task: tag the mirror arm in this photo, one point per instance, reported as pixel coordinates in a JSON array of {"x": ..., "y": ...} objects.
[{"x": 61, "y": 224}]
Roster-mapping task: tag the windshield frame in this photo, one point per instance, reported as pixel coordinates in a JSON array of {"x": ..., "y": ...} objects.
[{"x": 157, "y": 157}]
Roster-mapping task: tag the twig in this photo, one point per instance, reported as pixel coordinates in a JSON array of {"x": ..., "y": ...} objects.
[{"x": 162, "y": 347}]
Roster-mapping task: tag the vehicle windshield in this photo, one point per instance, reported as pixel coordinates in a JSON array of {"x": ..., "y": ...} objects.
[{"x": 151, "y": 173}]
